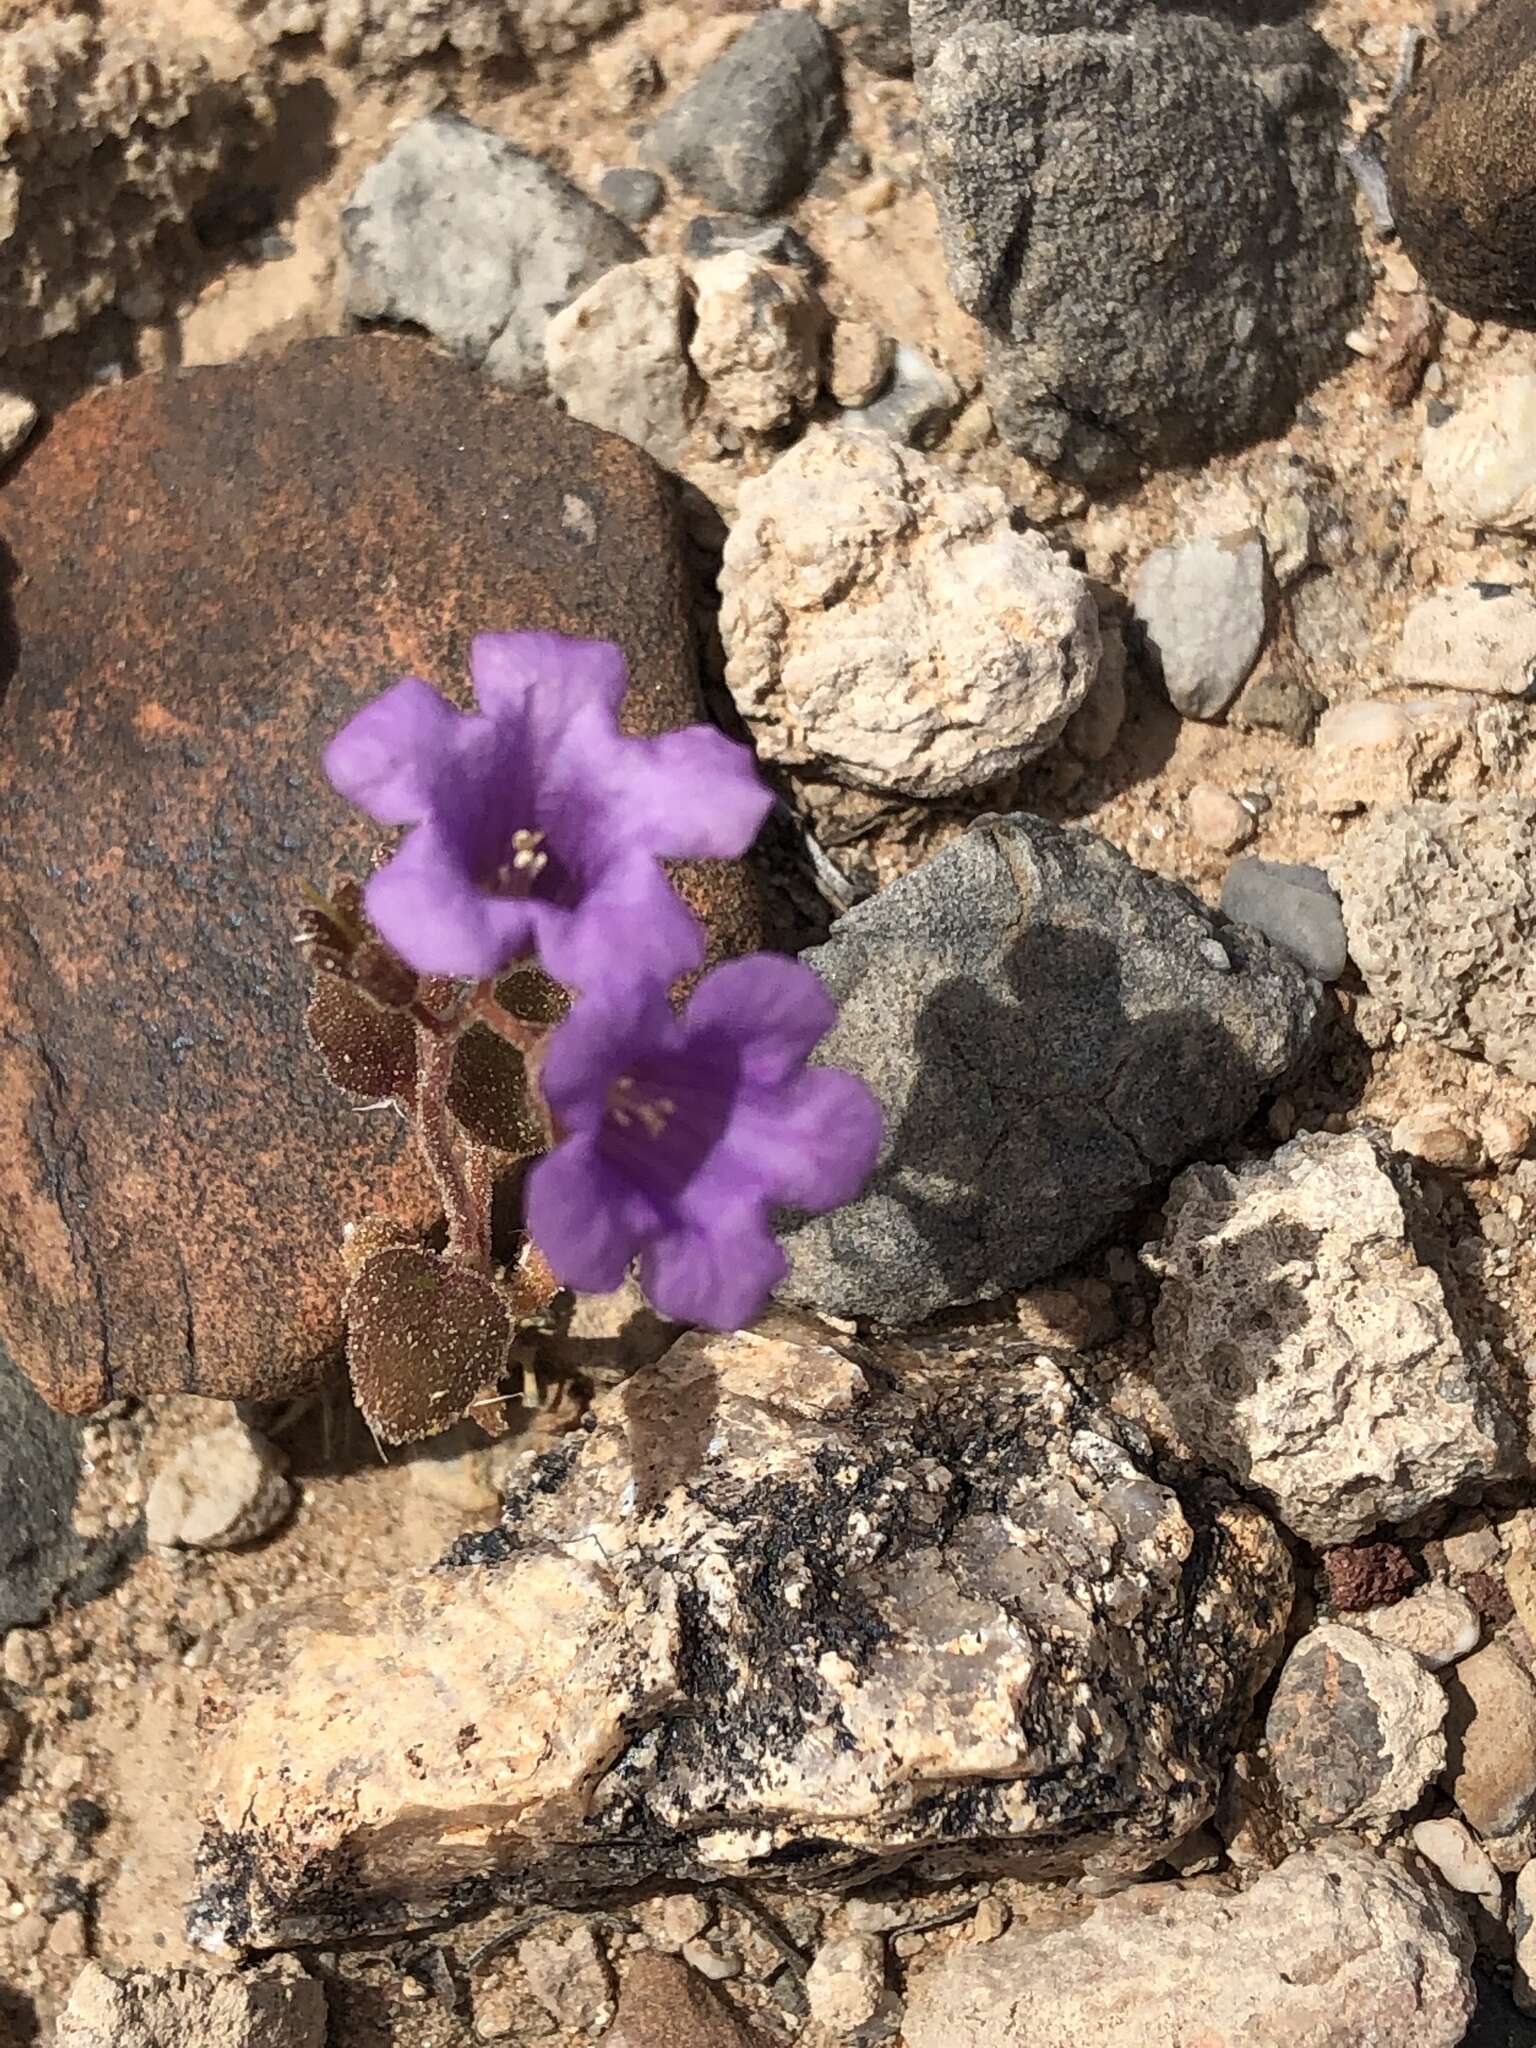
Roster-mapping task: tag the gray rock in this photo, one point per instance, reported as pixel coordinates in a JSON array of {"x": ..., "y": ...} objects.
[
  {"x": 1295, "y": 908},
  {"x": 1303, "y": 1348},
  {"x": 1355, "y": 1729},
  {"x": 752, "y": 132},
  {"x": 1440, "y": 907},
  {"x": 1052, "y": 1032},
  {"x": 877, "y": 32},
  {"x": 915, "y": 404},
  {"x": 775, "y": 241},
  {"x": 784, "y": 1608},
  {"x": 462, "y": 233},
  {"x": 1278, "y": 700},
  {"x": 634, "y": 195},
  {"x": 1198, "y": 609},
  {"x": 1146, "y": 209},
  {"x": 39, "y": 1477},
  {"x": 1337, "y": 1948}
]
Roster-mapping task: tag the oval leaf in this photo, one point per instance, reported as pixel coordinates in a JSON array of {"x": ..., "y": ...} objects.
[{"x": 423, "y": 1338}]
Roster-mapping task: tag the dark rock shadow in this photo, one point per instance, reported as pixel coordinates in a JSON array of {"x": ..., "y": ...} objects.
[{"x": 10, "y": 638}]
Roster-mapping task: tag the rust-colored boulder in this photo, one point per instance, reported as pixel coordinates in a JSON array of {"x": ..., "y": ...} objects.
[{"x": 206, "y": 574}]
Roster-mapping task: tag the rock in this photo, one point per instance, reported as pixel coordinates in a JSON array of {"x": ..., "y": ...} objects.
[
  {"x": 1437, "y": 1624},
  {"x": 1152, "y": 1034},
  {"x": 666, "y": 2005},
  {"x": 1507, "y": 1136},
  {"x": 1218, "y": 819},
  {"x": 888, "y": 628},
  {"x": 845, "y": 1985},
  {"x": 916, "y": 402},
  {"x": 633, "y": 195},
  {"x": 1146, "y": 210},
  {"x": 381, "y": 38},
  {"x": 756, "y": 340},
  {"x": 1480, "y": 462},
  {"x": 1525, "y": 1944},
  {"x": 754, "y": 129},
  {"x": 773, "y": 241},
  {"x": 877, "y": 32},
  {"x": 227, "y": 1487},
  {"x": 1463, "y": 171},
  {"x": 1335, "y": 1948},
  {"x": 462, "y": 233},
  {"x": 1199, "y": 608},
  {"x": 1477, "y": 636},
  {"x": 1354, "y": 1729},
  {"x": 42, "y": 1557},
  {"x": 1294, "y": 906},
  {"x": 1277, "y": 700},
  {"x": 273, "y": 2006},
  {"x": 1434, "y": 1133},
  {"x": 1472, "y": 1547},
  {"x": 1492, "y": 1729},
  {"x": 772, "y": 1612},
  {"x": 626, "y": 72},
  {"x": 111, "y": 133},
  {"x": 617, "y": 358},
  {"x": 1439, "y": 903},
  {"x": 859, "y": 359},
  {"x": 160, "y": 799},
  {"x": 1448, "y": 1844},
  {"x": 1366, "y": 1575},
  {"x": 1306, "y": 1352},
  {"x": 18, "y": 416},
  {"x": 1370, "y": 755},
  {"x": 569, "y": 1976}
]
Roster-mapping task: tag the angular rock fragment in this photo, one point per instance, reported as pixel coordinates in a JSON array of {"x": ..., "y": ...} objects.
[
  {"x": 276, "y": 2006},
  {"x": 782, "y": 1609},
  {"x": 1354, "y": 1728},
  {"x": 1304, "y": 1350},
  {"x": 1052, "y": 1032}
]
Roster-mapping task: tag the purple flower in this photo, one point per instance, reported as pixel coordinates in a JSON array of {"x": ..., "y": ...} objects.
[
  {"x": 682, "y": 1134},
  {"x": 536, "y": 825}
]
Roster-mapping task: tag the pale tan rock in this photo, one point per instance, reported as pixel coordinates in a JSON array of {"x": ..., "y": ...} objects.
[
  {"x": 1481, "y": 462},
  {"x": 845, "y": 1985},
  {"x": 1354, "y": 1728},
  {"x": 626, "y": 72},
  {"x": 616, "y": 357},
  {"x": 659, "y": 1634},
  {"x": 111, "y": 132},
  {"x": 1473, "y": 1549},
  {"x": 1434, "y": 1133},
  {"x": 1439, "y": 902},
  {"x": 1507, "y": 1136},
  {"x": 1373, "y": 753},
  {"x": 1449, "y": 1845},
  {"x": 756, "y": 339},
  {"x": 227, "y": 1487},
  {"x": 1218, "y": 819},
  {"x": 1525, "y": 1938},
  {"x": 381, "y": 38},
  {"x": 1493, "y": 1734},
  {"x": 276, "y": 2006},
  {"x": 1337, "y": 1948},
  {"x": 1436, "y": 1624},
  {"x": 1304, "y": 1350},
  {"x": 888, "y": 627},
  {"x": 859, "y": 360},
  {"x": 1477, "y": 636},
  {"x": 18, "y": 416},
  {"x": 568, "y": 1974}
]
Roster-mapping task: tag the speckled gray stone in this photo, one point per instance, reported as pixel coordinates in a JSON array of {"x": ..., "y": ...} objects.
[{"x": 1294, "y": 906}]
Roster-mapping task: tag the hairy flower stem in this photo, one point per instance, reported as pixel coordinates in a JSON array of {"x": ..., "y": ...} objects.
[{"x": 465, "y": 1199}]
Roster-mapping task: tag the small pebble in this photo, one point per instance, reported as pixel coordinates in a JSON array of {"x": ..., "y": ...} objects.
[
  {"x": 859, "y": 359},
  {"x": 1450, "y": 1846},
  {"x": 1473, "y": 1549},
  {"x": 677, "y": 1918},
  {"x": 919, "y": 400},
  {"x": 634, "y": 195},
  {"x": 1434, "y": 1134},
  {"x": 1294, "y": 906},
  {"x": 69, "y": 1936},
  {"x": 18, "y": 416},
  {"x": 27, "y": 1658},
  {"x": 223, "y": 1489},
  {"x": 991, "y": 1919},
  {"x": 1218, "y": 819},
  {"x": 12, "y": 1734},
  {"x": 1437, "y": 1624},
  {"x": 845, "y": 1985},
  {"x": 1507, "y": 1136},
  {"x": 495, "y": 2014},
  {"x": 719, "y": 1965}
]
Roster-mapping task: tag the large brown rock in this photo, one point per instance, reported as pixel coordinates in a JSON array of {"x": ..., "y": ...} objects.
[
  {"x": 208, "y": 573},
  {"x": 787, "y": 1610}
]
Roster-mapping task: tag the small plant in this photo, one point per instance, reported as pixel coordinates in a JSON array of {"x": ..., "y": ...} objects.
[{"x": 505, "y": 978}]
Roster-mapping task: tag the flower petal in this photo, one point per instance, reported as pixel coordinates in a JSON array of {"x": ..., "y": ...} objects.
[
  {"x": 596, "y": 1043},
  {"x": 584, "y": 1218},
  {"x": 384, "y": 758},
  {"x": 811, "y": 1144},
  {"x": 716, "y": 1269},
  {"x": 773, "y": 1009},
  {"x": 425, "y": 905},
  {"x": 630, "y": 926},
  {"x": 693, "y": 795},
  {"x": 514, "y": 671}
]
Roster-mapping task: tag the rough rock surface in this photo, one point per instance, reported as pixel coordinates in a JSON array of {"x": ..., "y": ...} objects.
[
  {"x": 1493, "y": 1739},
  {"x": 1052, "y": 1031},
  {"x": 756, "y": 341},
  {"x": 1476, "y": 636},
  {"x": 39, "y": 1479},
  {"x": 266, "y": 545},
  {"x": 1480, "y": 463},
  {"x": 226, "y": 1487},
  {"x": 751, "y": 133},
  {"x": 617, "y": 357},
  {"x": 110, "y": 133},
  {"x": 877, "y": 32},
  {"x": 460, "y": 232},
  {"x": 1337, "y": 1948},
  {"x": 1355, "y": 1728},
  {"x": 1304, "y": 1350},
  {"x": 1146, "y": 210},
  {"x": 1440, "y": 906},
  {"x": 1437, "y": 1624},
  {"x": 1295, "y": 908},
  {"x": 276, "y": 2006},
  {"x": 890, "y": 629},
  {"x": 664, "y": 2004},
  {"x": 1462, "y": 166},
  {"x": 776, "y": 1610},
  {"x": 378, "y": 38},
  {"x": 1199, "y": 608}
]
